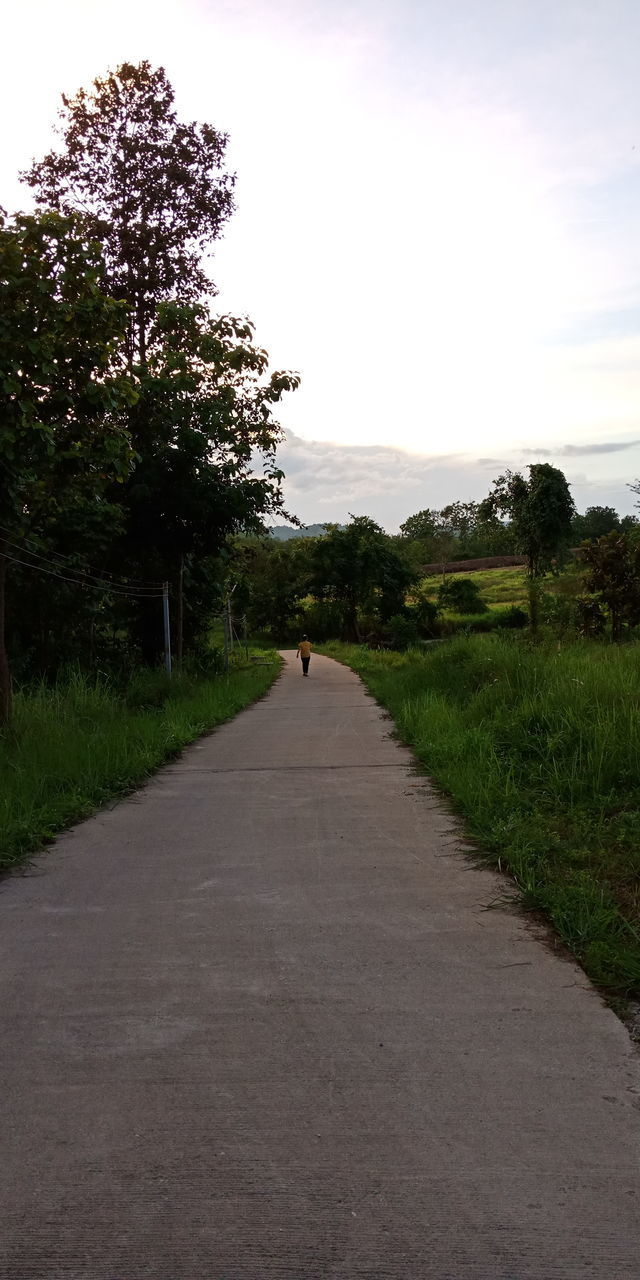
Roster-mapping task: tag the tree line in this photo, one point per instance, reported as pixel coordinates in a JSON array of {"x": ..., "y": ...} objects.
[
  {"x": 138, "y": 427},
  {"x": 356, "y": 582}
]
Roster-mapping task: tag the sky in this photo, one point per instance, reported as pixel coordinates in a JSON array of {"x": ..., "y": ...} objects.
[{"x": 437, "y": 223}]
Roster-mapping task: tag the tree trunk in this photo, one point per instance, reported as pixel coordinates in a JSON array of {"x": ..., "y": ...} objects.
[
  {"x": 5, "y": 674},
  {"x": 534, "y": 605},
  {"x": 351, "y": 630}
]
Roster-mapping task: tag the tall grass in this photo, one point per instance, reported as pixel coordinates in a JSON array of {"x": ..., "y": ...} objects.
[
  {"x": 539, "y": 748},
  {"x": 73, "y": 746}
]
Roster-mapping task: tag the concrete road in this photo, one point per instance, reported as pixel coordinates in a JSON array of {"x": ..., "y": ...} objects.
[{"x": 257, "y": 1022}]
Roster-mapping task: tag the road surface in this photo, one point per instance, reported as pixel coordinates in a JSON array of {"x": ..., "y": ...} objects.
[{"x": 257, "y": 1022}]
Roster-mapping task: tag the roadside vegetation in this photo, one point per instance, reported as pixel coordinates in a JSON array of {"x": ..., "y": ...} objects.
[
  {"x": 539, "y": 749},
  {"x": 81, "y": 741}
]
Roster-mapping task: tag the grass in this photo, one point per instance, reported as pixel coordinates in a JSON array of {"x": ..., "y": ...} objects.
[
  {"x": 504, "y": 587},
  {"x": 72, "y": 747},
  {"x": 539, "y": 749}
]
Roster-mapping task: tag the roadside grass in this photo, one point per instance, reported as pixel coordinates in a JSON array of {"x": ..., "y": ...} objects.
[
  {"x": 73, "y": 746},
  {"x": 539, "y": 749}
]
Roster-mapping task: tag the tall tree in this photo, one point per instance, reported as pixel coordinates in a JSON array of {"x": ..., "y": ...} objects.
[
  {"x": 540, "y": 510},
  {"x": 205, "y": 438},
  {"x": 151, "y": 189},
  {"x": 61, "y": 392}
]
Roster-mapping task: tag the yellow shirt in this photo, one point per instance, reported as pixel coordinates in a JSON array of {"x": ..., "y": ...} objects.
[{"x": 304, "y": 649}]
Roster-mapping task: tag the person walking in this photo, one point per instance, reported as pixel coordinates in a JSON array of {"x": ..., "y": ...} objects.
[{"x": 304, "y": 652}]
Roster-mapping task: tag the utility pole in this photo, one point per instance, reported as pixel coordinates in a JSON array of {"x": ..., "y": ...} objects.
[
  {"x": 167, "y": 628},
  {"x": 225, "y": 627},
  {"x": 180, "y": 611},
  {"x": 230, "y": 623}
]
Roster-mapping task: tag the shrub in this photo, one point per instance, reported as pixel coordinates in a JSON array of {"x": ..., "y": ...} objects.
[
  {"x": 402, "y": 631},
  {"x": 513, "y": 617},
  {"x": 461, "y": 595},
  {"x": 426, "y": 614}
]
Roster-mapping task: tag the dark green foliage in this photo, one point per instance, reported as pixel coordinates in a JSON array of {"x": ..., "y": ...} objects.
[
  {"x": 461, "y": 595},
  {"x": 595, "y": 523},
  {"x": 460, "y": 531},
  {"x": 203, "y": 421},
  {"x": 613, "y": 575},
  {"x": 319, "y": 619},
  {"x": 402, "y": 631},
  {"x": 591, "y": 617},
  {"x": 540, "y": 511},
  {"x": 513, "y": 618},
  {"x": 62, "y": 388},
  {"x": 426, "y": 613},
  {"x": 143, "y": 197},
  {"x": 358, "y": 568},
  {"x": 273, "y": 581}
]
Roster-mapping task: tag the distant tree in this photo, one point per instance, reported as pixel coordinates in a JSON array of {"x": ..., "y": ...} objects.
[
  {"x": 459, "y": 531},
  {"x": 630, "y": 524},
  {"x": 541, "y": 511},
  {"x": 61, "y": 393},
  {"x": 613, "y": 574},
  {"x": 151, "y": 189},
  {"x": 359, "y": 568},
  {"x": 422, "y": 526},
  {"x": 273, "y": 579},
  {"x": 595, "y": 523}
]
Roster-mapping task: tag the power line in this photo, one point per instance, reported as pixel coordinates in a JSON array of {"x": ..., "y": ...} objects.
[
  {"x": 102, "y": 576},
  {"x": 106, "y": 588},
  {"x": 80, "y": 575}
]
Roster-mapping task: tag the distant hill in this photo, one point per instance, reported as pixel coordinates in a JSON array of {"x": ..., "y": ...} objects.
[{"x": 283, "y": 532}]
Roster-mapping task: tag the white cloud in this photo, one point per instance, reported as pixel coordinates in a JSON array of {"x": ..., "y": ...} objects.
[{"x": 326, "y": 480}]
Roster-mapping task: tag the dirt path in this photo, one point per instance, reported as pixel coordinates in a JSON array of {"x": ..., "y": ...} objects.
[{"x": 256, "y": 1022}]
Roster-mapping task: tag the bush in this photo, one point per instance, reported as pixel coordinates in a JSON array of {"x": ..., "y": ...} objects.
[
  {"x": 592, "y": 618},
  {"x": 514, "y": 617},
  {"x": 461, "y": 595},
  {"x": 402, "y": 631},
  {"x": 426, "y": 614}
]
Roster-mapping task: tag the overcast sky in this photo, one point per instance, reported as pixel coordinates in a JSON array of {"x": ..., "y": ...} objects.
[{"x": 437, "y": 225}]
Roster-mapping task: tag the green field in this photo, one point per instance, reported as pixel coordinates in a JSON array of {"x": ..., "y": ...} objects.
[
  {"x": 539, "y": 748},
  {"x": 76, "y": 745},
  {"x": 504, "y": 587}
]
